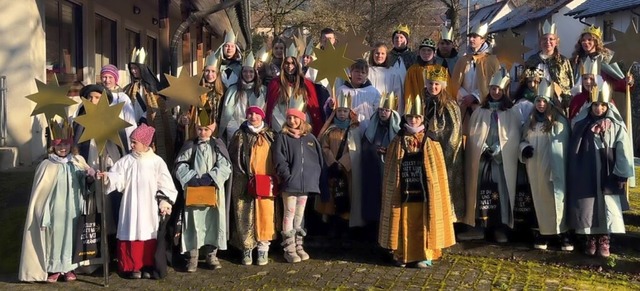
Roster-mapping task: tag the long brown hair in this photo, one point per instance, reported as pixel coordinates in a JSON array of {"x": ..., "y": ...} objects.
[
  {"x": 505, "y": 101},
  {"x": 551, "y": 114},
  {"x": 218, "y": 87},
  {"x": 579, "y": 53},
  {"x": 299, "y": 88}
]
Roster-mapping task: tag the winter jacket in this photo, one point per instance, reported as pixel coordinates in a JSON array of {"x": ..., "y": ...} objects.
[{"x": 298, "y": 163}]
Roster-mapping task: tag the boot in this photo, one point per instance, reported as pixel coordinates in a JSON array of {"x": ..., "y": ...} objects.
[
  {"x": 263, "y": 257},
  {"x": 603, "y": 246},
  {"x": 192, "y": 265},
  {"x": 289, "y": 246},
  {"x": 300, "y": 234},
  {"x": 590, "y": 245},
  {"x": 212, "y": 260},
  {"x": 246, "y": 257}
]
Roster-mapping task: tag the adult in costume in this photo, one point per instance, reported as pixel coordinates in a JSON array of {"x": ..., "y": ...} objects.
[
  {"x": 255, "y": 216},
  {"x": 109, "y": 75},
  {"x": 401, "y": 57},
  {"x": 248, "y": 91},
  {"x": 470, "y": 78},
  {"x": 150, "y": 108},
  {"x": 230, "y": 60},
  {"x": 204, "y": 162},
  {"x": 292, "y": 87},
  {"x": 442, "y": 118},
  {"x": 414, "y": 83},
  {"x": 544, "y": 149},
  {"x": 416, "y": 220},
  {"x": 589, "y": 45},
  {"x": 446, "y": 50},
  {"x": 600, "y": 163},
  {"x": 55, "y": 204},
  {"x": 364, "y": 97},
  {"x": 491, "y": 163},
  {"x": 556, "y": 68}
]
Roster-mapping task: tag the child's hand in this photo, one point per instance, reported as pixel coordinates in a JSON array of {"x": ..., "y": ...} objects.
[
  {"x": 165, "y": 208},
  {"x": 91, "y": 172}
]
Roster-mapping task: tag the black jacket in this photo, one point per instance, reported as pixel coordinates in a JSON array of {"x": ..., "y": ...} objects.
[{"x": 298, "y": 163}]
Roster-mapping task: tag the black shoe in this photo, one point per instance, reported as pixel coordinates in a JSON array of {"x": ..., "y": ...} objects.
[
  {"x": 565, "y": 243},
  {"x": 135, "y": 275},
  {"x": 540, "y": 242},
  {"x": 146, "y": 275}
]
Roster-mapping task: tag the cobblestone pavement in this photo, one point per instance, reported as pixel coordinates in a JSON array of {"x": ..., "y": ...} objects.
[{"x": 362, "y": 268}]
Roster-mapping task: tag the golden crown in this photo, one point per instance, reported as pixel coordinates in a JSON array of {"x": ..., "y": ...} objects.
[
  {"x": 298, "y": 103},
  {"x": 500, "y": 79},
  {"x": 594, "y": 30},
  {"x": 601, "y": 93},
  {"x": 446, "y": 33},
  {"x": 229, "y": 37},
  {"x": 548, "y": 28},
  {"x": 388, "y": 101},
  {"x": 249, "y": 61},
  {"x": 213, "y": 59},
  {"x": 204, "y": 117},
  {"x": 436, "y": 73},
  {"x": 590, "y": 67},
  {"x": 414, "y": 106},
  {"x": 292, "y": 51},
  {"x": 545, "y": 90},
  {"x": 533, "y": 73},
  {"x": 343, "y": 101},
  {"x": 403, "y": 28},
  {"x": 138, "y": 56},
  {"x": 60, "y": 130}
]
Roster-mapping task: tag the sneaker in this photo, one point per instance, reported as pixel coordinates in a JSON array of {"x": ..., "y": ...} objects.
[
  {"x": 603, "y": 246},
  {"x": 424, "y": 264},
  {"x": 540, "y": 242},
  {"x": 146, "y": 275},
  {"x": 590, "y": 245},
  {"x": 70, "y": 276},
  {"x": 473, "y": 233},
  {"x": 263, "y": 258},
  {"x": 135, "y": 275},
  {"x": 53, "y": 277},
  {"x": 213, "y": 262},
  {"x": 565, "y": 243},
  {"x": 292, "y": 257},
  {"x": 246, "y": 258}
]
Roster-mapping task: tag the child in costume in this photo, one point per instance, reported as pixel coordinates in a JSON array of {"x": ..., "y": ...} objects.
[
  {"x": 526, "y": 93},
  {"x": 253, "y": 173},
  {"x": 148, "y": 190},
  {"x": 298, "y": 160},
  {"x": 204, "y": 162},
  {"x": 55, "y": 204}
]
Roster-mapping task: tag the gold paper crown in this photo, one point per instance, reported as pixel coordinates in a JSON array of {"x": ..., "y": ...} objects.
[
  {"x": 59, "y": 130},
  {"x": 436, "y": 73},
  {"x": 446, "y": 33},
  {"x": 481, "y": 30},
  {"x": 298, "y": 103},
  {"x": 262, "y": 54},
  {"x": 533, "y": 73},
  {"x": 204, "y": 117},
  {"x": 414, "y": 106},
  {"x": 308, "y": 51},
  {"x": 500, "y": 79},
  {"x": 138, "y": 56},
  {"x": 388, "y": 101},
  {"x": 594, "y": 30},
  {"x": 229, "y": 37},
  {"x": 343, "y": 101},
  {"x": 548, "y": 28},
  {"x": 213, "y": 59},
  {"x": 291, "y": 51},
  {"x": 601, "y": 93},
  {"x": 403, "y": 28},
  {"x": 590, "y": 67},
  {"x": 545, "y": 90},
  {"x": 249, "y": 61}
]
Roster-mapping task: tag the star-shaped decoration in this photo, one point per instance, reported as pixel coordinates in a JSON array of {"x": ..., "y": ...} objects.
[
  {"x": 184, "y": 90},
  {"x": 331, "y": 63},
  {"x": 355, "y": 44},
  {"x": 102, "y": 122},
  {"x": 495, "y": 196},
  {"x": 625, "y": 46},
  {"x": 51, "y": 100},
  {"x": 510, "y": 48}
]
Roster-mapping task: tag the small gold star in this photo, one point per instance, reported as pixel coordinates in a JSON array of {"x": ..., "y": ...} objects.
[
  {"x": 184, "y": 90},
  {"x": 331, "y": 63},
  {"x": 51, "y": 100},
  {"x": 102, "y": 122}
]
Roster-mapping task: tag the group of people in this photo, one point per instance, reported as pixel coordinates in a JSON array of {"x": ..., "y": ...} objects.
[{"x": 409, "y": 146}]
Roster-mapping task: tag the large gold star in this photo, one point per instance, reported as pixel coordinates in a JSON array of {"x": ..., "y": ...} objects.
[
  {"x": 331, "y": 63},
  {"x": 51, "y": 100},
  {"x": 184, "y": 90},
  {"x": 510, "y": 48},
  {"x": 625, "y": 46},
  {"x": 355, "y": 44},
  {"x": 102, "y": 122}
]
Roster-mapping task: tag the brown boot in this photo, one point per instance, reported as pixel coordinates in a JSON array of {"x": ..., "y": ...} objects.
[
  {"x": 289, "y": 246},
  {"x": 212, "y": 260},
  {"x": 603, "y": 246},
  {"x": 590, "y": 245},
  {"x": 192, "y": 265}
]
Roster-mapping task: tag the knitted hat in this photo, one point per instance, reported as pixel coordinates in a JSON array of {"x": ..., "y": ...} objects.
[
  {"x": 110, "y": 70},
  {"x": 297, "y": 113},
  {"x": 256, "y": 110},
  {"x": 143, "y": 134}
]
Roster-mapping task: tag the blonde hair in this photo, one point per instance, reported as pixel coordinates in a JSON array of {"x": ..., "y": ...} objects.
[{"x": 305, "y": 128}]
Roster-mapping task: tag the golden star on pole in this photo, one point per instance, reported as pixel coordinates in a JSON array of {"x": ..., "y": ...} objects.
[
  {"x": 102, "y": 122},
  {"x": 355, "y": 44},
  {"x": 625, "y": 47},
  {"x": 51, "y": 100},
  {"x": 510, "y": 48},
  {"x": 184, "y": 90},
  {"x": 331, "y": 63}
]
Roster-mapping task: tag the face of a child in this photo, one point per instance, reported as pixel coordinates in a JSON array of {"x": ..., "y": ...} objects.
[
  {"x": 414, "y": 120},
  {"x": 248, "y": 74},
  {"x": 293, "y": 121},
  {"x": 358, "y": 77},
  {"x": 229, "y": 49},
  {"x": 342, "y": 114},
  {"x": 532, "y": 83},
  {"x": 306, "y": 60},
  {"x": 548, "y": 43},
  {"x": 278, "y": 50},
  {"x": 94, "y": 97},
  {"x": 445, "y": 47},
  {"x": 204, "y": 132},
  {"x": 138, "y": 147},
  {"x": 384, "y": 114},
  {"x": 108, "y": 81},
  {"x": 599, "y": 108},
  {"x": 476, "y": 41},
  {"x": 588, "y": 81},
  {"x": 426, "y": 53},
  {"x": 289, "y": 66},
  {"x": 254, "y": 119},
  {"x": 328, "y": 38},
  {"x": 210, "y": 74},
  {"x": 135, "y": 71},
  {"x": 62, "y": 149},
  {"x": 434, "y": 88},
  {"x": 541, "y": 105},
  {"x": 495, "y": 92},
  {"x": 588, "y": 43},
  {"x": 380, "y": 55},
  {"x": 399, "y": 40}
]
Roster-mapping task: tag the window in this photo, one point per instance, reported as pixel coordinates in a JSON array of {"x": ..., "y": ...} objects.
[
  {"x": 133, "y": 41},
  {"x": 63, "y": 33},
  {"x": 152, "y": 54},
  {"x": 106, "y": 43},
  {"x": 607, "y": 30}
]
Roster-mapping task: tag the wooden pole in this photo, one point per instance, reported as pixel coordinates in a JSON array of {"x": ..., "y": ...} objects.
[
  {"x": 186, "y": 39},
  {"x": 199, "y": 47},
  {"x": 104, "y": 248}
]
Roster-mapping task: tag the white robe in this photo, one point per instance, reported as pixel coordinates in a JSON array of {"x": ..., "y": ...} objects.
[
  {"x": 141, "y": 178},
  {"x": 230, "y": 122},
  {"x": 387, "y": 80},
  {"x": 364, "y": 102}
]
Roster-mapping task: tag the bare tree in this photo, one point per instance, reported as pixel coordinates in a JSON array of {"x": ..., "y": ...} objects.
[
  {"x": 453, "y": 14},
  {"x": 275, "y": 13}
]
